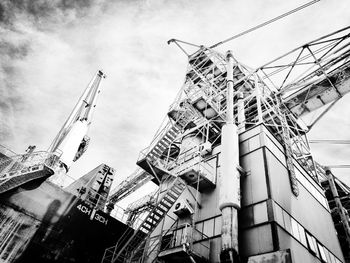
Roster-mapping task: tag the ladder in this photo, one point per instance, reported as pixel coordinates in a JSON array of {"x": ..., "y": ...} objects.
[{"x": 129, "y": 247}]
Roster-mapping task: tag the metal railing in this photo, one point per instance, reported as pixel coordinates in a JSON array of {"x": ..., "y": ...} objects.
[
  {"x": 6, "y": 151},
  {"x": 191, "y": 238},
  {"x": 191, "y": 159},
  {"x": 129, "y": 185},
  {"x": 119, "y": 214},
  {"x": 159, "y": 135},
  {"x": 19, "y": 164},
  {"x": 151, "y": 198}
]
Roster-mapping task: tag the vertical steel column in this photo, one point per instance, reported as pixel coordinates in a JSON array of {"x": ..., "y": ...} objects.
[
  {"x": 343, "y": 216},
  {"x": 240, "y": 112},
  {"x": 258, "y": 98},
  {"x": 229, "y": 197}
]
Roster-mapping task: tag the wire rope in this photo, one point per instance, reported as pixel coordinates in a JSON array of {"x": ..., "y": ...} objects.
[{"x": 265, "y": 23}]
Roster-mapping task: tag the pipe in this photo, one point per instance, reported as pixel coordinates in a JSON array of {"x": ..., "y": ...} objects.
[
  {"x": 229, "y": 86},
  {"x": 240, "y": 112},
  {"x": 258, "y": 99},
  {"x": 229, "y": 196}
]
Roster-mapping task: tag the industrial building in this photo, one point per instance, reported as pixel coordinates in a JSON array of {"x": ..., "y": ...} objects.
[{"x": 237, "y": 181}]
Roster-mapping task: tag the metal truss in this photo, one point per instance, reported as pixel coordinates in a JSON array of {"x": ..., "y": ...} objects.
[
  {"x": 141, "y": 206},
  {"x": 310, "y": 78},
  {"x": 129, "y": 185},
  {"x": 203, "y": 95},
  {"x": 313, "y": 75},
  {"x": 277, "y": 94}
]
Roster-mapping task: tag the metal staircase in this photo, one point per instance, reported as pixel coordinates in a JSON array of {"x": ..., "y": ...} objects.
[
  {"x": 130, "y": 246},
  {"x": 163, "y": 144},
  {"x": 149, "y": 157},
  {"x": 163, "y": 149}
]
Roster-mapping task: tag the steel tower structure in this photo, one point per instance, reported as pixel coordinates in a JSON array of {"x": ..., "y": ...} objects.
[{"x": 276, "y": 95}]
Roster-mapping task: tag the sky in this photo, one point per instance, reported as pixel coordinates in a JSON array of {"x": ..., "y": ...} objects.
[{"x": 49, "y": 51}]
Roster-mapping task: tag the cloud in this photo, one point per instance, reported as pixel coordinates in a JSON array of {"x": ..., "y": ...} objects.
[
  {"x": 44, "y": 13},
  {"x": 49, "y": 51}
]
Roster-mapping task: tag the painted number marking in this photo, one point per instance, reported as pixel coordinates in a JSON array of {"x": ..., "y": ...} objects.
[{"x": 94, "y": 215}]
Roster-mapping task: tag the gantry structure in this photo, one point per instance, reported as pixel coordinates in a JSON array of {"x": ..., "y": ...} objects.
[{"x": 308, "y": 79}]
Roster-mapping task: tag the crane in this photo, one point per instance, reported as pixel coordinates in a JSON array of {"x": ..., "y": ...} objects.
[
  {"x": 307, "y": 78},
  {"x": 69, "y": 144},
  {"x": 71, "y": 141},
  {"x": 312, "y": 77}
]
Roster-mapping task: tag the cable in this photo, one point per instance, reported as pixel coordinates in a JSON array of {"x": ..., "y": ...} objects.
[
  {"x": 330, "y": 141},
  {"x": 338, "y": 166},
  {"x": 265, "y": 23}
]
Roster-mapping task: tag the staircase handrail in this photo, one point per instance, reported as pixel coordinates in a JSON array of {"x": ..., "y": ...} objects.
[{"x": 155, "y": 140}]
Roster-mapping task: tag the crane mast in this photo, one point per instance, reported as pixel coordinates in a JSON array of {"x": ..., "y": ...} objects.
[{"x": 72, "y": 140}]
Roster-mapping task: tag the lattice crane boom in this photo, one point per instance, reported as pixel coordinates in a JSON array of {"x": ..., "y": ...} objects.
[
  {"x": 312, "y": 76},
  {"x": 129, "y": 185}
]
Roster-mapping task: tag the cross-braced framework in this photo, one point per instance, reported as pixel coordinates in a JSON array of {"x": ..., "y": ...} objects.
[
  {"x": 142, "y": 205},
  {"x": 310, "y": 78},
  {"x": 129, "y": 185},
  {"x": 312, "y": 75},
  {"x": 200, "y": 108}
]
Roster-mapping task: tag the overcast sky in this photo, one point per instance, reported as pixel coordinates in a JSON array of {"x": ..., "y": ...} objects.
[{"x": 49, "y": 51}]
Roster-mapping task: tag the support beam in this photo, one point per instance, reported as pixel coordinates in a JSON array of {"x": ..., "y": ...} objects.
[
  {"x": 341, "y": 210},
  {"x": 229, "y": 198}
]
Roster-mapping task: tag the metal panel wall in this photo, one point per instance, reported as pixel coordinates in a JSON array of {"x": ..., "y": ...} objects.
[
  {"x": 257, "y": 240},
  {"x": 254, "y": 185},
  {"x": 305, "y": 208}
]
